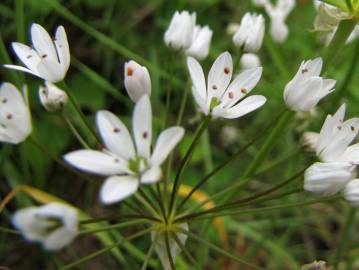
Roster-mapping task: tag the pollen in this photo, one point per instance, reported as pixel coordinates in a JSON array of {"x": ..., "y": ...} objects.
[
  {"x": 130, "y": 71},
  {"x": 230, "y": 95},
  {"x": 226, "y": 70},
  {"x": 116, "y": 130},
  {"x": 352, "y": 128},
  {"x": 244, "y": 91},
  {"x": 9, "y": 116},
  {"x": 145, "y": 135},
  {"x": 304, "y": 70},
  {"x": 214, "y": 87}
]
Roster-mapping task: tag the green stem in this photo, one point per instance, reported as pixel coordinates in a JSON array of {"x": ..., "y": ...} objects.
[
  {"x": 267, "y": 146},
  {"x": 349, "y": 224},
  {"x": 183, "y": 103},
  {"x": 6, "y": 59},
  {"x": 340, "y": 37},
  {"x": 185, "y": 251},
  {"x": 20, "y": 25},
  {"x": 75, "y": 132},
  {"x": 72, "y": 99},
  {"x": 105, "y": 249},
  {"x": 8, "y": 230},
  {"x": 168, "y": 250},
  {"x": 218, "y": 249},
  {"x": 143, "y": 198},
  {"x": 109, "y": 217},
  {"x": 340, "y": 93},
  {"x": 148, "y": 256},
  {"x": 186, "y": 159},
  {"x": 112, "y": 227}
]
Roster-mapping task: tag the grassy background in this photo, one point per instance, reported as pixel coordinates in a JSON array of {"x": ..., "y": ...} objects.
[{"x": 103, "y": 34}]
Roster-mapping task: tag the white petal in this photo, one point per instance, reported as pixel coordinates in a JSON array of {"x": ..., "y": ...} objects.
[
  {"x": 23, "y": 69},
  {"x": 351, "y": 154},
  {"x": 142, "y": 126},
  {"x": 247, "y": 105},
  {"x": 51, "y": 70},
  {"x": 166, "y": 141},
  {"x": 219, "y": 76},
  {"x": 351, "y": 192},
  {"x": 27, "y": 55},
  {"x": 197, "y": 76},
  {"x": 117, "y": 188},
  {"x": 96, "y": 162},
  {"x": 42, "y": 42},
  {"x": 115, "y": 135},
  {"x": 152, "y": 175},
  {"x": 59, "y": 239},
  {"x": 62, "y": 48}
]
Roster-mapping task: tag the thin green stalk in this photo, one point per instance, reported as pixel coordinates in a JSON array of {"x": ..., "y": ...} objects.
[
  {"x": 218, "y": 249},
  {"x": 105, "y": 249},
  {"x": 186, "y": 159},
  {"x": 161, "y": 202},
  {"x": 267, "y": 146},
  {"x": 185, "y": 251},
  {"x": 72, "y": 99},
  {"x": 349, "y": 225},
  {"x": 6, "y": 59},
  {"x": 209, "y": 214},
  {"x": 142, "y": 197},
  {"x": 114, "y": 226},
  {"x": 19, "y": 19},
  {"x": 340, "y": 93},
  {"x": 75, "y": 132},
  {"x": 276, "y": 56},
  {"x": 340, "y": 37},
  {"x": 183, "y": 103},
  {"x": 118, "y": 216},
  {"x": 168, "y": 250},
  {"x": 8, "y": 230},
  {"x": 107, "y": 41},
  {"x": 148, "y": 256}
]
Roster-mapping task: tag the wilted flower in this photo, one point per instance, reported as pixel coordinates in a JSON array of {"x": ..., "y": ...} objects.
[
  {"x": 220, "y": 98},
  {"x": 159, "y": 239},
  {"x": 307, "y": 88},
  {"x": 179, "y": 34},
  {"x": 249, "y": 60},
  {"x": 48, "y": 59},
  {"x": 137, "y": 80},
  {"x": 309, "y": 140},
  {"x": 128, "y": 163},
  {"x": 52, "y": 97},
  {"x": 250, "y": 33},
  {"x": 351, "y": 192},
  {"x": 15, "y": 119},
  {"x": 54, "y": 225},
  {"x": 200, "y": 43}
]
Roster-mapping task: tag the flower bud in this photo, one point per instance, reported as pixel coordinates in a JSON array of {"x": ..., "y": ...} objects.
[
  {"x": 307, "y": 88},
  {"x": 249, "y": 60},
  {"x": 52, "y": 97},
  {"x": 279, "y": 30},
  {"x": 180, "y": 31},
  {"x": 351, "y": 192},
  {"x": 250, "y": 33},
  {"x": 137, "y": 80},
  {"x": 201, "y": 41}
]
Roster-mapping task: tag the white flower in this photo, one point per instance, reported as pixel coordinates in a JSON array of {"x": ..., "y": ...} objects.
[
  {"x": 278, "y": 14},
  {"x": 328, "y": 178},
  {"x": 307, "y": 88},
  {"x": 128, "y": 162},
  {"x": 137, "y": 80},
  {"x": 351, "y": 192},
  {"x": 250, "y": 33},
  {"x": 335, "y": 137},
  {"x": 159, "y": 239},
  {"x": 179, "y": 34},
  {"x": 15, "y": 119},
  {"x": 249, "y": 60},
  {"x": 52, "y": 97},
  {"x": 48, "y": 59},
  {"x": 200, "y": 43},
  {"x": 220, "y": 98},
  {"x": 54, "y": 225}
]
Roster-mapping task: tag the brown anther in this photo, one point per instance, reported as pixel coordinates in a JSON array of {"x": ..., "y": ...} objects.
[
  {"x": 9, "y": 116},
  {"x": 145, "y": 135},
  {"x": 214, "y": 87},
  {"x": 304, "y": 70},
  {"x": 226, "y": 70},
  {"x": 29, "y": 56},
  {"x": 44, "y": 56},
  {"x": 340, "y": 127},
  {"x": 352, "y": 128},
  {"x": 116, "y": 160},
  {"x": 4, "y": 100},
  {"x": 244, "y": 91},
  {"x": 230, "y": 95},
  {"x": 130, "y": 71},
  {"x": 116, "y": 130}
]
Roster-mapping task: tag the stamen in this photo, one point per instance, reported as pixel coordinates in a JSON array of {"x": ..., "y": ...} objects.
[
  {"x": 29, "y": 56},
  {"x": 116, "y": 130},
  {"x": 352, "y": 128},
  {"x": 145, "y": 135},
  {"x": 44, "y": 56},
  {"x": 214, "y": 87},
  {"x": 4, "y": 100},
  {"x": 130, "y": 71},
  {"x": 116, "y": 160},
  {"x": 226, "y": 70},
  {"x": 304, "y": 70},
  {"x": 230, "y": 95},
  {"x": 9, "y": 116},
  {"x": 244, "y": 90}
]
